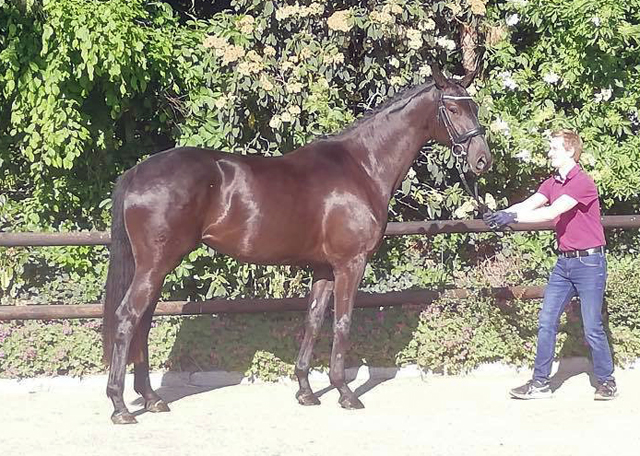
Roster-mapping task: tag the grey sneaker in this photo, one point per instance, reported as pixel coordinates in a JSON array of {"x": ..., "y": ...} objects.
[
  {"x": 606, "y": 391},
  {"x": 533, "y": 389}
]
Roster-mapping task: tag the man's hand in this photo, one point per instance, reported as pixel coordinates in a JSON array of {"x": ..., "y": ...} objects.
[{"x": 499, "y": 219}]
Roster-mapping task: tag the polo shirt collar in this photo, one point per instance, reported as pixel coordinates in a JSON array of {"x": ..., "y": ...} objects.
[{"x": 572, "y": 172}]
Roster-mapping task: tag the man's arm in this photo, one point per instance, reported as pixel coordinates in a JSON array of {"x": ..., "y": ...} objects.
[
  {"x": 547, "y": 213},
  {"x": 533, "y": 202}
]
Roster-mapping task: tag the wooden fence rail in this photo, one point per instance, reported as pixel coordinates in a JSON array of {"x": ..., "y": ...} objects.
[
  {"x": 363, "y": 300},
  {"x": 393, "y": 229}
]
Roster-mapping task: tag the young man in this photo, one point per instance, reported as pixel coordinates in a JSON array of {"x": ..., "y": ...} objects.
[{"x": 570, "y": 198}]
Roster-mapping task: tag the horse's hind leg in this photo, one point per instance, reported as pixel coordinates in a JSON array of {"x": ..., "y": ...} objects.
[
  {"x": 142, "y": 383},
  {"x": 319, "y": 298},
  {"x": 143, "y": 293},
  {"x": 152, "y": 265},
  {"x": 348, "y": 277}
]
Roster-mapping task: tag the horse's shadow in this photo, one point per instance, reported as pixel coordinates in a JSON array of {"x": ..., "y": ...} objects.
[
  {"x": 178, "y": 385},
  {"x": 217, "y": 351}
]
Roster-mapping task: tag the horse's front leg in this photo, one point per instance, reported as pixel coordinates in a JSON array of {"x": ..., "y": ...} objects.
[
  {"x": 348, "y": 278},
  {"x": 319, "y": 298}
]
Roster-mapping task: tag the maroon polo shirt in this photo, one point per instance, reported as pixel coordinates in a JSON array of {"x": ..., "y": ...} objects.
[{"x": 579, "y": 228}]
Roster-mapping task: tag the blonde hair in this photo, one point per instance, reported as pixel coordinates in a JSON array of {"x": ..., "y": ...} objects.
[{"x": 571, "y": 140}]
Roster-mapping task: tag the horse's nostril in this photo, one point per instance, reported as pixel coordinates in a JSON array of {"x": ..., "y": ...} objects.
[{"x": 481, "y": 163}]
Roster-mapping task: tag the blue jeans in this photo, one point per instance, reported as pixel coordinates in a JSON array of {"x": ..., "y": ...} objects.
[{"x": 585, "y": 277}]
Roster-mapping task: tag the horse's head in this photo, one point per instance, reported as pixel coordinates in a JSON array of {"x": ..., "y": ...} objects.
[{"x": 458, "y": 124}]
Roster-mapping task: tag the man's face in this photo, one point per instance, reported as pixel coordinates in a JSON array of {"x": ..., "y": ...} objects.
[{"x": 558, "y": 154}]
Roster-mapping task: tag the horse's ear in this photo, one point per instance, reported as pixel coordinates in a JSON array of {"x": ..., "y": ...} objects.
[
  {"x": 469, "y": 77},
  {"x": 439, "y": 78}
]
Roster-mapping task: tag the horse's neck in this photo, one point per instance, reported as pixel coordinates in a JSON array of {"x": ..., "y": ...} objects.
[{"x": 390, "y": 146}]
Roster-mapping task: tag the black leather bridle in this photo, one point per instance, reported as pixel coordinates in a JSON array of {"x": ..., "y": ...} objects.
[{"x": 460, "y": 142}]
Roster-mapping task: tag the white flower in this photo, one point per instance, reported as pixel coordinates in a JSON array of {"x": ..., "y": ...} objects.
[
  {"x": 294, "y": 110},
  {"x": 231, "y": 54},
  {"x": 396, "y": 81},
  {"x": 294, "y": 87},
  {"x": 513, "y": 19},
  {"x": 428, "y": 24},
  {"x": 323, "y": 83},
  {"x": 269, "y": 51},
  {"x": 551, "y": 78},
  {"x": 396, "y": 9},
  {"x": 588, "y": 158},
  {"x": 446, "y": 43},
  {"x": 524, "y": 155},
  {"x": 215, "y": 42},
  {"x": 425, "y": 71},
  {"x": 338, "y": 58},
  {"x": 287, "y": 11},
  {"x": 490, "y": 201},
  {"x": 340, "y": 21},
  {"x": 500, "y": 126},
  {"x": 381, "y": 17},
  {"x": 394, "y": 62},
  {"x": 265, "y": 83},
  {"x": 415, "y": 38},
  {"x": 596, "y": 21},
  {"x": 604, "y": 95},
  {"x": 507, "y": 80},
  {"x": 518, "y": 2},
  {"x": 286, "y": 117},
  {"x": 221, "y": 102},
  {"x": 466, "y": 208},
  {"x": 316, "y": 8},
  {"x": 275, "y": 122},
  {"x": 246, "y": 24},
  {"x": 305, "y": 53}
]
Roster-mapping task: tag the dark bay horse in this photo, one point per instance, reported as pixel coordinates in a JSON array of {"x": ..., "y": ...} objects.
[{"x": 323, "y": 205}]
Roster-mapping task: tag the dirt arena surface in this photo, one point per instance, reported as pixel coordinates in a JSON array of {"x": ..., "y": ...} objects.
[{"x": 409, "y": 414}]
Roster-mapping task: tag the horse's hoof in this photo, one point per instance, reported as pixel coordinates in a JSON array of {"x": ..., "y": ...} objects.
[
  {"x": 123, "y": 418},
  {"x": 307, "y": 398},
  {"x": 157, "y": 406},
  {"x": 351, "y": 403}
]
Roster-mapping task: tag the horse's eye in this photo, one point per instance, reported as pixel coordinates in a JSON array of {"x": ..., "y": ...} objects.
[{"x": 453, "y": 109}]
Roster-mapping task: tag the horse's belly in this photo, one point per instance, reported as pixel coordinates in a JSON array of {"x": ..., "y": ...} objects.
[{"x": 262, "y": 248}]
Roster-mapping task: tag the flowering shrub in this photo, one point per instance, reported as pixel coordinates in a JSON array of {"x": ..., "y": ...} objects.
[{"x": 564, "y": 64}]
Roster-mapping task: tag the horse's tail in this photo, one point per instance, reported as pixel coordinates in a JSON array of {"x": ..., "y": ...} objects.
[{"x": 121, "y": 267}]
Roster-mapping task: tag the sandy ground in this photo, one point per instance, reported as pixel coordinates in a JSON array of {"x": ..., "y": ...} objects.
[{"x": 409, "y": 414}]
